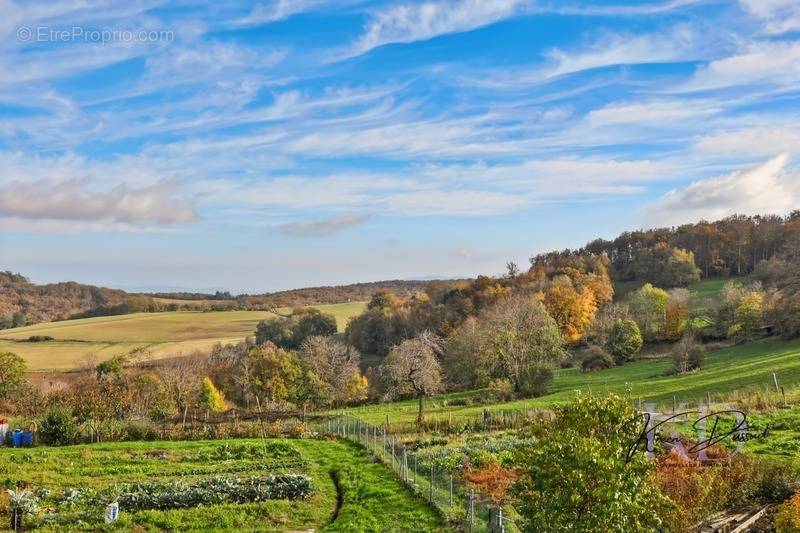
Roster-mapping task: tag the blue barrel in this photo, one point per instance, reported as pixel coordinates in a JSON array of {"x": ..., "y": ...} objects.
[
  {"x": 16, "y": 438},
  {"x": 27, "y": 438}
]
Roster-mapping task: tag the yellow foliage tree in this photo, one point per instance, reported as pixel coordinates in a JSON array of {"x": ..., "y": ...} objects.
[
  {"x": 211, "y": 398},
  {"x": 573, "y": 310}
]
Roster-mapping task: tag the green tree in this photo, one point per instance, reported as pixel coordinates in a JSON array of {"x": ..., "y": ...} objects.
[
  {"x": 290, "y": 332},
  {"x": 336, "y": 367},
  {"x": 625, "y": 340},
  {"x": 273, "y": 373},
  {"x": 687, "y": 355},
  {"x": 749, "y": 315},
  {"x": 58, "y": 428},
  {"x": 210, "y": 398},
  {"x": 579, "y": 477},
  {"x": 648, "y": 307},
  {"x": 12, "y": 374}
]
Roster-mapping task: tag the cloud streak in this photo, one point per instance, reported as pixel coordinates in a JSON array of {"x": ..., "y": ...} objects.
[{"x": 321, "y": 228}]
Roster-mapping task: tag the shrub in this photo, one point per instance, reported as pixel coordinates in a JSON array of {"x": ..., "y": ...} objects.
[
  {"x": 58, "y": 428},
  {"x": 687, "y": 355},
  {"x": 579, "y": 476},
  {"x": 40, "y": 338},
  {"x": 501, "y": 389},
  {"x": 596, "y": 359},
  {"x": 787, "y": 519},
  {"x": 625, "y": 340}
]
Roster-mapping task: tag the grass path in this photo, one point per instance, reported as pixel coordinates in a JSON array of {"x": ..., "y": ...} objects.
[{"x": 746, "y": 366}]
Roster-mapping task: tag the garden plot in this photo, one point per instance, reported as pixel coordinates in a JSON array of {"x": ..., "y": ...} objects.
[{"x": 269, "y": 485}]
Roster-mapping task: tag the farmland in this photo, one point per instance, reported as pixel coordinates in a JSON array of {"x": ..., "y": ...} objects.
[
  {"x": 162, "y": 334},
  {"x": 729, "y": 369},
  {"x": 349, "y": 492}
]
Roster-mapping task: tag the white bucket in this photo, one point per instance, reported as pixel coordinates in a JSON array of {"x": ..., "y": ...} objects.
[
  {"x": 112, "y": 512},
  {"x": 3, "y": 431}
]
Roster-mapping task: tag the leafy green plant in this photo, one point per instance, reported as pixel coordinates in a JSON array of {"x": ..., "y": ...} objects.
[{"x": 58, "y": 428}]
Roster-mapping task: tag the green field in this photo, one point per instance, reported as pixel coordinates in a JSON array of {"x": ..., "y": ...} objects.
[
  {"x": 163, "y": 334},
  {"x": 736, "y": 368},
  {"x": 701, "y": 292},
  {"x": 350, "y": 492}
]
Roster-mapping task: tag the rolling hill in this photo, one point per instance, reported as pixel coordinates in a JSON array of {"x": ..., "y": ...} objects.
[{"x": 162, "y": 334}]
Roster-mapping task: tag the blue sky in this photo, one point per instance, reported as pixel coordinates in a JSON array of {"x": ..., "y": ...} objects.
[{"x": 256, "y": 146}]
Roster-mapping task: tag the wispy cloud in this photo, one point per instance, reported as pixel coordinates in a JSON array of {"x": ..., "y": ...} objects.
[
  {"x": 405, "y": 23},
  {"x": 778, "y": 16},
  {"x": 767, "y": 188},
  {"x": 752, "y": 142},
  {"x": 321, "y": 228}
]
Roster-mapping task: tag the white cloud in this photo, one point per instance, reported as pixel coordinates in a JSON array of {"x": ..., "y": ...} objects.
[
  {"x": 407, "y": 23},
  {"x": 756, "y": 141},
  {"x": 654, "y": 113},
  {"x": 70, "y": 200},
  {"x": 277, "y": 10},
  {"x": 776, "y": 63},
  {"x": 321, "y": 228},
  {"x": 778, "y": 16},
  {"x": 615, "y": 49},
  {"x": 767, "y": 188}
]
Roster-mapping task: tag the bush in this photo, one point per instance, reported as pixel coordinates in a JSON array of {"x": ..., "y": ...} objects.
[
  {"x": 625, "y": 340},
  {"x": 40, "y": 338},
  {"x": 58, "y": 428},
  {"x": 501, "y": 389},
  {"x": 596, "y": 359},
  {"x": 687, "y": 355},
  {"x": 787, "y": 519},
  {"x": 579, "y": 476}
]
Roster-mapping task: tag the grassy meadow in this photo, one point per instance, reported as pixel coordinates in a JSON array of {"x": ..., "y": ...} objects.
[
  {"x": 350, "y": 492},
  {"x": 163, "y": 334},
  {"x": 736, "y": 368}
]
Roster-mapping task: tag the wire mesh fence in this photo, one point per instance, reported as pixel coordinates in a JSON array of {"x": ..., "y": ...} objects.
[{"x": 458, "y": 503}]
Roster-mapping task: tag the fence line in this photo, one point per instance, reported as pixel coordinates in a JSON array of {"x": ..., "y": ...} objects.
[{"x": 457, "y": 502}]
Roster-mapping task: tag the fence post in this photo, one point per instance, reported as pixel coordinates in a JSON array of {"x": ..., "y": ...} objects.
[
  {"x": 471, "y": 509},
  {"x": 431, "y": 491},
  {"x": 384, "y": 443},
  {"x": 392, "y": 452},
  {"x": 500, "y": 525},
  {"x": 775, "y": 380},
  {"x": 405, "y": 465},
  {"x": 451, "y": 490},
  {"x": 415, "y": 468}
]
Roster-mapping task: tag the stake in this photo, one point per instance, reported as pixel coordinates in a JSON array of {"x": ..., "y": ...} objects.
[{"x": 775, "y": 380}]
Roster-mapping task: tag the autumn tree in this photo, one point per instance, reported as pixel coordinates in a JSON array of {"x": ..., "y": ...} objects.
[
  {"x": 412, "y": 369},
  {"x": 676, "y": 313},
  {"x": 572, "y": 309},
  {"x": 337, "y": 367},
  {"x": 210, "y": 398}
]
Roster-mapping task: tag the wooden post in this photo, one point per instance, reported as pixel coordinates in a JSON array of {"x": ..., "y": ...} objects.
[
  {"x": 674, "y": 404},
  {"x": 431, "y": 495},
  {"x": 708, "y": 393},
  {"x": 775, "y": 380}
]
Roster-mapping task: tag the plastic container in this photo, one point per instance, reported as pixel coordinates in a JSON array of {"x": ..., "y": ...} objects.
[
  {"x": 21, "y": 438},
  {"x": 3, "y": 431}
]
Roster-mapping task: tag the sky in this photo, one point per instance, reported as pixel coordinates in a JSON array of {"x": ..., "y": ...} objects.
[{"x": 259, "y": 146}]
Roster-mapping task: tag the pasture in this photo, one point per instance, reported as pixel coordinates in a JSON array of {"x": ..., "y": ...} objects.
[
  {"x": 162, "y": 334},
  {"x": 729, "y": 369},
  {"x": 349, "y": 492}
]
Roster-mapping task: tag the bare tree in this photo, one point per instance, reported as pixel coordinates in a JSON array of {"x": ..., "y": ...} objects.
[
  {"x": 336, "y": 364},
  {"x": 413, "y": 368}
]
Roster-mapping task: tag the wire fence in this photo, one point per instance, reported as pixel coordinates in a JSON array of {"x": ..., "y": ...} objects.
[{"x": 458, "y": 503}]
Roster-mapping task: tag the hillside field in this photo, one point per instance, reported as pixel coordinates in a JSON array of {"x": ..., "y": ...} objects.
[
  {"x": 163, "y": 334},
  {"x": 349, "y": 491},
  {"x": 736, "y": 368}
]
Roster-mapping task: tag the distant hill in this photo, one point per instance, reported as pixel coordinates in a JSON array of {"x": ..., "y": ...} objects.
[
  {"x": 23, "y": 302},
  {"x": 33, "y": 303}
]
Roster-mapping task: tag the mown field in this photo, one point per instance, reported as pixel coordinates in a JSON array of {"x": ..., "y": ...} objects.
[
  {"x": 163, "y": 334},
  {"x": 736, "y": 368},
  {"x": 350, "y": 492}
]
